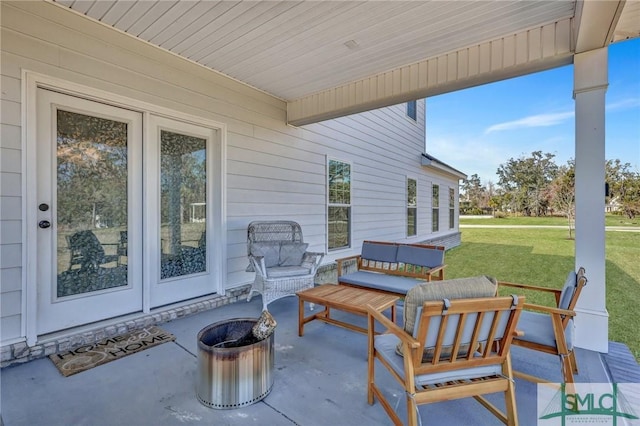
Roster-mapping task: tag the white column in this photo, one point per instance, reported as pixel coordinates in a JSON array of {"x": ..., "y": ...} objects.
[{"x": 590, "y": 85}]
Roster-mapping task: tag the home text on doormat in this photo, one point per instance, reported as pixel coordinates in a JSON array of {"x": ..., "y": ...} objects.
[{"x": 109, "y": 349}]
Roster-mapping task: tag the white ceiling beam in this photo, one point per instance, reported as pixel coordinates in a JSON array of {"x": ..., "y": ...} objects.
[
  {"x": 595, "y": 23},
  {"x": 528, "y": 51}
]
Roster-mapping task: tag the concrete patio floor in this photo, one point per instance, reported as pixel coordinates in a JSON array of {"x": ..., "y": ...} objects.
[{"x": 320, "y": 379}]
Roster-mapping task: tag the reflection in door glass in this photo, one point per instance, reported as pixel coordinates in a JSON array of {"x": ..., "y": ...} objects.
[
  {"x": 91, "y": 205},
  {"x": 182, "y": 205}
]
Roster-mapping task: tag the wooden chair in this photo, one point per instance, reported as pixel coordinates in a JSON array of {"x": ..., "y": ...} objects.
[
  {"x": 459, "y": 348},
  {"x": 550, "y": 329},
  {"x": 88, "y": 252}
]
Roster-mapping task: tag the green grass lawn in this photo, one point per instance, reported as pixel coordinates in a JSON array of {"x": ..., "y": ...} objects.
[
  {"x": 610, "y": 220},
  {"x": 543, "y": 257}
]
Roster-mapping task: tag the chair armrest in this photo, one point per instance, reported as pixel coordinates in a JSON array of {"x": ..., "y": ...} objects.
[
  {"x": 316, "y": 257},
  {"x": 549, "y": 310},
  {"x": 344, "y": 259},
  {"x": 555, "y": 291},
  {"x": 391, "y": 328},
  {"x": 258, "y": 265},
  {"x": 437, "y": 268}
]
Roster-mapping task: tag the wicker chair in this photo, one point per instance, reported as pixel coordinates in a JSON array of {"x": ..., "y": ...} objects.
[{"x": 277, "y": 254}]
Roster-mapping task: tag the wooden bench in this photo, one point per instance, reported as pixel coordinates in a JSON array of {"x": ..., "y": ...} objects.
[{"x": 393, "y": 267}]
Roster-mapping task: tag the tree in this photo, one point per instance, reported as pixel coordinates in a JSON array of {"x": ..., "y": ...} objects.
[
  {"x": 526, "y": 179},
  {"x": 91, "y": 171},
  {"x": 624, "y": 186},
  {"x": 561, "y": 192},
  {"x": 474, "y": 192}
]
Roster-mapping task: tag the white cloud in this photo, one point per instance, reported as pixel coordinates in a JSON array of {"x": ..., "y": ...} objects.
[
  {"x": 623, "y": 104},
  {"x": 470, "y": 156},
  {"x": 540, "y": 120}
]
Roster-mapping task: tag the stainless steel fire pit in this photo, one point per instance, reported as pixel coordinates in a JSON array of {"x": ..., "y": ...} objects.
[{"x": 237, "y": 376}]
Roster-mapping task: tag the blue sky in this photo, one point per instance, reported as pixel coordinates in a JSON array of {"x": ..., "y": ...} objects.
[{"x": 478, "y": 129}]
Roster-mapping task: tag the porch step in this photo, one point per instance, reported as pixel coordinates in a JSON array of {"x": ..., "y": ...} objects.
[{"x": 621, "y": 364}]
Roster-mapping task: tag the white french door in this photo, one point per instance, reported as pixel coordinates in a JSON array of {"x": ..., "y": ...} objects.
[
  {"x": 89, "y": 204},
  {"x": 129, "y": 211},
  {"x": 179, "y": 179}
]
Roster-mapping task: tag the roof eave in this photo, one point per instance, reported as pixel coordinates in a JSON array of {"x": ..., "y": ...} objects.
[{"x": 432, "y": 162}]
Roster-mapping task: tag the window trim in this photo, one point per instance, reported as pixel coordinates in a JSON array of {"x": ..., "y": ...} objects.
[
  {"x": 349, "y": 206},
  {"x": 413, "y": 206},
  {"x": 413, "y": 117},
  {"x": 452, "y": 208},
  {"x": 435, "y": 207}
]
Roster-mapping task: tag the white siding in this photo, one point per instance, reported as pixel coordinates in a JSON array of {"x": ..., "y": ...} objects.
[{"x": 274, "y": 171}]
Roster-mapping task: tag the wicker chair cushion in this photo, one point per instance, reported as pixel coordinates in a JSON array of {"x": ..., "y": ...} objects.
[
  {"x": 291, "y": 253},
  {"x": 286, "y": 271},
  {"x": 269, "y": 250}
]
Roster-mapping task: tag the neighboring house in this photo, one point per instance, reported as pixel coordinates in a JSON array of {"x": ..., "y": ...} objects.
[
  {"x": 613, "y": 205},
  {"x": 176, "y": 162}
]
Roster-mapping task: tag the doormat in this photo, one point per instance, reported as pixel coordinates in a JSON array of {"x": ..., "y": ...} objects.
[{"x": 109, "y": 349}]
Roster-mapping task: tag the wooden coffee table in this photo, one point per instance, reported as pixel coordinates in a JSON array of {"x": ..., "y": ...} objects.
[{"x": 344, "y": 298}]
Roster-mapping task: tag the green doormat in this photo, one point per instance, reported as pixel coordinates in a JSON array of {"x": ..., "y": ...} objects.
[{"x": 109, "y": 349}]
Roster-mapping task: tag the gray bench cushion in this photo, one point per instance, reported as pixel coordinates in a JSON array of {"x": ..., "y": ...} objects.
[
  {"x": 379, "y": 252},
  {"x": 420, "y": 256},
  {"x": 392, "y": 283}
]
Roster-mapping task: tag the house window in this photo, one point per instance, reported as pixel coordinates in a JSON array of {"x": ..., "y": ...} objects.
[
  {"x": 452, "y": 205},
  {"x": 412, "y": 207},
  {"x": 435, "y": 208},
  {"x": 412, "y": 110},
  {"x": 339, "y": 204}
]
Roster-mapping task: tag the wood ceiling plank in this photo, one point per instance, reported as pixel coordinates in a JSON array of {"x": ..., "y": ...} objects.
[
  {"x": 100, "y": 8},
  {"x": 155, "y": 12},
  {"x": 119, "y": 9},
  {"x": 82, "y": 5},
  {"x": 261, "y": 12},
  {"x": 133, "y": 15},
  {"x": 197, "y": 40},
  {"x": 183, "y": 23},
  {"x": 169, "y": 18}
]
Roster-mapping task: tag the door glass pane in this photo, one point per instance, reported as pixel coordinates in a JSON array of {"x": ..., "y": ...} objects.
[
  {"x": 183, "y": 201},
  {"x": 91, "y": 207}
]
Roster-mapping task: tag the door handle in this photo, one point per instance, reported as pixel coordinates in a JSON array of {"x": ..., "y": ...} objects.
[{"x": 44, "y": 224}]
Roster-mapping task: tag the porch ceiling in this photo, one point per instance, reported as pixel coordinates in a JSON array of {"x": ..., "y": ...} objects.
[{"x": 309, "y": 52}]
